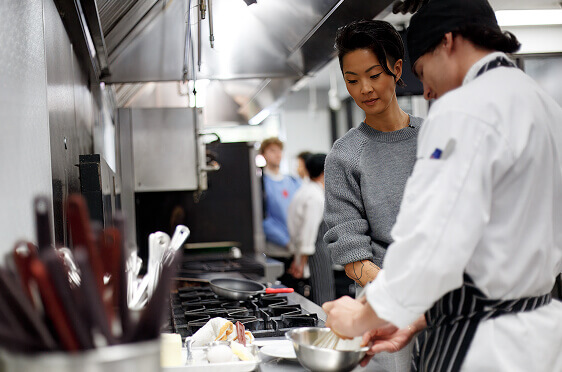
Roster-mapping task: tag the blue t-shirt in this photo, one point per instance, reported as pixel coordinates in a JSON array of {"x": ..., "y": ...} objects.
[{"x": 278, "y": 195}]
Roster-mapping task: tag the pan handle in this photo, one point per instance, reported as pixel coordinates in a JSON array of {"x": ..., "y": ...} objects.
[{"x": 279, "y": 290}]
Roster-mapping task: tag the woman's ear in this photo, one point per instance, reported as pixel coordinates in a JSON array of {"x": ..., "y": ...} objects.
[{"x": 398, "y": 70}]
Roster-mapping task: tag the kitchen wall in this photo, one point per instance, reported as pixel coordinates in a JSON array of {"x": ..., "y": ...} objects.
[
  {"x": 48, "y": 113},
  {"x": 304, "y": 125},
  {"x": 25, "y": 161}
]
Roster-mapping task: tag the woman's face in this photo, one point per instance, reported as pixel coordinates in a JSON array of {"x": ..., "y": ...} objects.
[
  {"x": 301, "y": 168},
  {"x": 370, "y": 87}
]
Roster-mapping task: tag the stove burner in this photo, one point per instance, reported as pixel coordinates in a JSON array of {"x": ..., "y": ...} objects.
[{"x": 269, "y": 315}]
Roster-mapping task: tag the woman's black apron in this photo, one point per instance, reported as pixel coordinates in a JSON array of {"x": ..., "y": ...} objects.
[{"x": 453, "y": 319}]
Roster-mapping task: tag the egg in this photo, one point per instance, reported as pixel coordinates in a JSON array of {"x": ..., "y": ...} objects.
[
  {"x": 219, "y": 354},
  {"x": 242, "y": 352}
]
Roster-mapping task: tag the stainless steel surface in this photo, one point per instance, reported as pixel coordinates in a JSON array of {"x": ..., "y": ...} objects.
[
  {"x": 25, "y": 150},
  {"x": 322, "y": 359},
  {"x": 138, "y": 357},
  {"x": 257, "y": 40},
  {"x": 273, "y": 269},
  {"x": 71, "y": 115},
  {"x": 125, "y": 168},
  {"x": 91, "y": 15},
  {"x": 164, "y": 149},
  {"x": 122, "y": 20},
  {"x": 156, "y": 52}
]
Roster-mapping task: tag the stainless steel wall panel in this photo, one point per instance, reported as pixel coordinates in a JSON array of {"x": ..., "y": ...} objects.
[
  {"x": 25, "y": 165},
  {"x": 126, "y": 174},
  {"x": 164, "y": 149},
  {"x": 66, "y": 142}
]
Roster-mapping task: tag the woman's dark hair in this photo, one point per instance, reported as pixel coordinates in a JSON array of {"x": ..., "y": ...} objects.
[
  {"x": 315, "y": 165},
  {"x": 378, "y": 36},
  {"x": 485, "y": 37},
  {"x": 304, "y": 155}
]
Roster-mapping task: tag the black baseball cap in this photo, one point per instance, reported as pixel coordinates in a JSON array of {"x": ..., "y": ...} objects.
[{"x": 429, "y": 24}]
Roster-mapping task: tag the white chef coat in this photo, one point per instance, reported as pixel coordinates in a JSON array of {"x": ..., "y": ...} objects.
[
  {"x": 491, "y": 208},
  {"x": 303, "y": 220}
]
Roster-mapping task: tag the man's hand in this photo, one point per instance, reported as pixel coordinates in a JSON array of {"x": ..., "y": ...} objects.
[
  {"x": 349, "y": 318},
  {"x": 362, "y": 272},
  {"x": 389, "y": 338}
]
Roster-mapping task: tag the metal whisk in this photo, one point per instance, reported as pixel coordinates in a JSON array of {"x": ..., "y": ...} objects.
[{"x": 328, "y": 340}]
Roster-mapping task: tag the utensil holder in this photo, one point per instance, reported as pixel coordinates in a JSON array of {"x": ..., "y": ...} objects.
[{"x": 137, "y": 357}]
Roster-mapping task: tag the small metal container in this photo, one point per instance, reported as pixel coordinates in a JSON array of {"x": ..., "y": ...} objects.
[
  {"x": 138, "y": 357},
  {"x": 322, "y": 359}
]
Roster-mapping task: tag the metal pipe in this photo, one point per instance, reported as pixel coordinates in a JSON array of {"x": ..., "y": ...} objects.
[
  {"x": 202, "y": 8},
  {"x": 211, "y": 33},
  {"x": 188, "y": 45},
  {"x": 199, "y": 42}
]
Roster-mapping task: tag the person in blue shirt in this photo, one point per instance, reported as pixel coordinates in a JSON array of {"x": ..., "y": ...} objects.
[{"x": 278, "y": 191}]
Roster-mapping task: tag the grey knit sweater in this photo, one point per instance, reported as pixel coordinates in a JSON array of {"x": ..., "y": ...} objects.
[{"x": 365, "y": 176}]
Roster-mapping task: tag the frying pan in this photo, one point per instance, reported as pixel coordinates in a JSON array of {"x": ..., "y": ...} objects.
[{"x": 242, "y": 289}]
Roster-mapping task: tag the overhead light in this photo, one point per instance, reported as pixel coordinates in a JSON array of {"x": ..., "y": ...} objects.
[
  {"x": 300, "y": 84},
  {"x": 250, "y": 2},
  {"x": 530, "y": 17},
  {"x": 259, "y": 117}
]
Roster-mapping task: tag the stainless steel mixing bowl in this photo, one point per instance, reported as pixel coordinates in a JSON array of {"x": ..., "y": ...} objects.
[{"x": 322, "y": 359}]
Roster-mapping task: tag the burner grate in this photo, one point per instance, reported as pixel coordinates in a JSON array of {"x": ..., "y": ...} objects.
[{"x": 269, "y": 315}]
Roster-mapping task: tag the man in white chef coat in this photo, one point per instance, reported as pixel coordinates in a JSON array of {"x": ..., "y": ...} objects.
[{"x": 478, "y": 241}]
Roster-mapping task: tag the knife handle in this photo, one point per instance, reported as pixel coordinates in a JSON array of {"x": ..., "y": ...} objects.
[
  {"x": 42, "y": 208},
  {"x": 53, "y": 306},
  {"x": 59, "y": 276},
  {"x": 93, "y": 304},
  {"x": 24, "y": 254},
  {"x": 119, "y": 221},
  {"x": 82, "y": 236},
  {"x": 109, "y": 243}
]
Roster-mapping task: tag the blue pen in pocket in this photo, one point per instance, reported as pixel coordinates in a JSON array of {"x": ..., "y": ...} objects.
[{"x": 436, "y": 154}]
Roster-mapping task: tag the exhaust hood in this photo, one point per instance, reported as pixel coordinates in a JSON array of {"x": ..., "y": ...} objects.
[{"x": 260, "y": 50}]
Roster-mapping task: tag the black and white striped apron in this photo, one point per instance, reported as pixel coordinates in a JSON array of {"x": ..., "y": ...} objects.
[
  {"x": 453, "y": 320},
  {"x": 452, "y": 323}
]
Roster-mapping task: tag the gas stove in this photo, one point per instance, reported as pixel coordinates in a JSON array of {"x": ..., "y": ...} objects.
[
  {"x": 246, "y": 265},
  {"x": 269, "y": 315}
]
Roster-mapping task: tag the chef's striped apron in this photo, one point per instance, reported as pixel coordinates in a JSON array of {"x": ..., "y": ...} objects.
[
  {"x": 453, "y": 320},
  {"x": 452, "y": 323}
]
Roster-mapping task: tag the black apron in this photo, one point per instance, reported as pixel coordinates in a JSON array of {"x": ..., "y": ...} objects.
[{"x": 452, "y": 321}]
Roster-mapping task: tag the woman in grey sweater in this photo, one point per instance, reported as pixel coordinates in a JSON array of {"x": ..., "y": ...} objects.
[{"x": 367, "y": 169}]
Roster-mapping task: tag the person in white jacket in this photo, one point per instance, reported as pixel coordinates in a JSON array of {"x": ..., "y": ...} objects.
[
  {"x": 478, "y": 240},
  {"x": 305, "y": 215}
]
